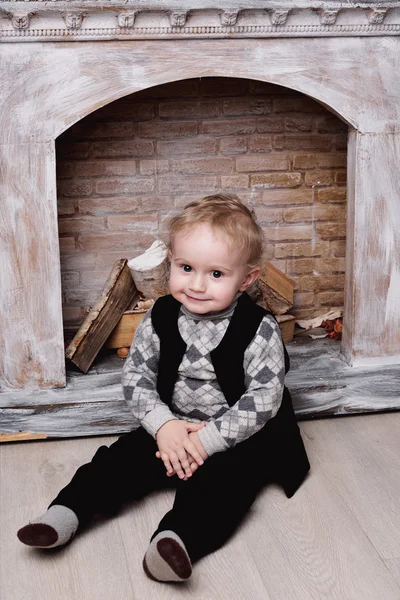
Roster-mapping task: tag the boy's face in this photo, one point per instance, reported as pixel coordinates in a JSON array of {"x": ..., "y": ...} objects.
[{"x": 206, "y": 271}]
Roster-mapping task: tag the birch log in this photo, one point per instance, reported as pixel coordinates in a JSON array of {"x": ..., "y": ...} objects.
[{"x": 150, "y": 271}]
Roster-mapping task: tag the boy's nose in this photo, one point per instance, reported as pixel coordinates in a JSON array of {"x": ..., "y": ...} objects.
[{"x": 197, "y": 283}]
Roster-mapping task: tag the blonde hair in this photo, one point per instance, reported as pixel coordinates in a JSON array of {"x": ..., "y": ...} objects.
[{"x": 227, "y": 214}]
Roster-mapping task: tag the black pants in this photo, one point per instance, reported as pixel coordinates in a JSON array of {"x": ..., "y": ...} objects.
[{"x": 207, "y": 507}]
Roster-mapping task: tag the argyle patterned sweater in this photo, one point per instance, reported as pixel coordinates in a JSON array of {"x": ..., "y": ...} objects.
[{"x": 197, "y": 395}]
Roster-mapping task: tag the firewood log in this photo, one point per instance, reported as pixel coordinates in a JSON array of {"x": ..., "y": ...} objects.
[{"x": 150, "y": 271}]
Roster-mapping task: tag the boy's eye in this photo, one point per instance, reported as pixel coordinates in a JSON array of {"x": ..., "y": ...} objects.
[
  {"x": 187, "y": 268},
  {"x": 216, "y": 274}
]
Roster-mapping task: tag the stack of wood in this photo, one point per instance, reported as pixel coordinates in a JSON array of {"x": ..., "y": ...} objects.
[{"x": 133, "y": 287}]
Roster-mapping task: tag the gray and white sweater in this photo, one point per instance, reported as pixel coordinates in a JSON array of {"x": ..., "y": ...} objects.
[{"x": 197, "y": 395}]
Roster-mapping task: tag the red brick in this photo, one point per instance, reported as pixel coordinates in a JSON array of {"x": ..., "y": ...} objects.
[
  {"x": 338, "y": 248},
  {"x": 330, "y": 299},
  {"x": 300, "y": 249},
  {"x": 318, "y": 178},
  {"x": 78, "y": 260},
  {"x": 81, "y": 297},
  {"x": 247, "y": 106},
  {"x": 202, "y": 165},
  {"x": 123, "y": 149},
  {"x": 301, "y": 142},
  {"x": 300, "y": 266},
  {"x": 191, "y": 108},
  {"x": 67, "y": 149},
  {"x": 167, "y": 129},
  {"x": 305, "y": 299},
  {"x": 146, "y": 223},
  {"x": 300, "y": 104},
  {"x": 74, "y": 188},
  {"x": 282, "y": 233},
  {"x": 66, "y": 207},
  {"x": 303, "y": 161},
  {"x": 156, "y": 203},
  {"x": 223, "y": 86},
  {"x": 119, "y": 241},
  {"x": 270, "y": 162},
  {"x": 330, "y": 124},
  {"x": 317, "y": 283},
  {"x": 67, "y": 244},
  {"x": 277, "y": 180},
  {"x": 123, "y": 109},
  {"x": 331, "y": 230},
  {"x": 341, "y": 178},
  {"x": 105, "y": 206},
  {"x": 105, "y": 167},
  {"x": 233, "y": 145},
  {"x": 81, "y": 225},
  {"x": 229, "y": 127},
  {"x": 176, "y": 184},
  {"x": 106, "y": 259},
  {"x": 91, "y": 130},
  {"x": 64, "y": 169},
  {"x": 153, "y": 167},
  {"x": 235, "y": 181},
  {"x": 340, "y": 142},
  {"x": 330, "y": 265},
  {"x": 332, "y": 195},
  {"x": 260, "y": 143},
  {"x": 266, "y": 216},
  {"x": 72, "y": 315},
  {"x": 270, "y": 125},
  {"x": 303, "y": 313},
  {"x": 95, "y": 279},
  {"x": 124, "y": 186},
  {"x": 298, "y": 196},
  {"x": 313, "y": 213},
  {"x": 332, "y": 159},
  {"x": 69, "y": 279},
  {"x": 298, "y": 123},
  {"x": 198, "y": 145}
]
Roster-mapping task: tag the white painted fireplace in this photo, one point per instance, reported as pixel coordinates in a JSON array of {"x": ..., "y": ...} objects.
[{"x": 61, "y": 60}]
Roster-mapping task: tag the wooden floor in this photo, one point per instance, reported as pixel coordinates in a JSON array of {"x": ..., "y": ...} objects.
[{"x": 337, "y": 538}]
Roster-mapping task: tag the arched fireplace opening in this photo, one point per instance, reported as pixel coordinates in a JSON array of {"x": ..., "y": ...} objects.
[{"x": 123, "y": 170}]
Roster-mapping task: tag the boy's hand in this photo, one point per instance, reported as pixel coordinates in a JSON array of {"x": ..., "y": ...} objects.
[
  {"x": 175, "y": 447},
  {"x": 193, "y": 464}
]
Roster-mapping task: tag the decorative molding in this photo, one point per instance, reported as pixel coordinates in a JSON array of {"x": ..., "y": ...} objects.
[
  {"x": 279, "y": 17},
  {"x": 113, "y": 19},
  {"x": 229, "y": 18},
  {"x": 73, "y": 20},
  {"x": 178, "y": 18},
  {"x": 328, "y": 16},
  {"x": 376, "y": 16},
  {"x": 21, "y": 20},
  {"x": 126, "y": 20}
]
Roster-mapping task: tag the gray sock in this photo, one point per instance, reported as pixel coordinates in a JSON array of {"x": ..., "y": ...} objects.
[
  {"x": 55, "y": 528},
  {"x": 166, "y": 558}
]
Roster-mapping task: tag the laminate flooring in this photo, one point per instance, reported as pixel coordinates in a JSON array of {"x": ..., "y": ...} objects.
[{"x": 338, "y": 538}]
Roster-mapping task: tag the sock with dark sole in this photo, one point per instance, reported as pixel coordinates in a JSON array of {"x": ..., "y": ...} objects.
[
  {"x": 166, "y": 558},
  {"x": 54, "y": 528}
]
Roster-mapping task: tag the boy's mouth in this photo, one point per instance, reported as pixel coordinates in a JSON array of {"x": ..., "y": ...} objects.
[{"x": 196, "y": 299}]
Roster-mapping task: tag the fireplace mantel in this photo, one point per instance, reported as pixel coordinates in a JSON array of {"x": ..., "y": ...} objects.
[
  {"x": 79, "y": 20},
  {"x": 346, "y": 55}
]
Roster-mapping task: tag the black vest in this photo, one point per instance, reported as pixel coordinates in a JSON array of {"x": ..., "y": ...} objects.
[{"x": 281, "y": 434}]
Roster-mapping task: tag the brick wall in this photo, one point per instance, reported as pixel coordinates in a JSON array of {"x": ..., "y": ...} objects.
[{"x": 123, "y": 171}]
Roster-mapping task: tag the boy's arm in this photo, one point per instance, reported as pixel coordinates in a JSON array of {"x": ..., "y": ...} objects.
[
  {"x": 264, "y": 366},
  {"x": 139, "y": 379}
]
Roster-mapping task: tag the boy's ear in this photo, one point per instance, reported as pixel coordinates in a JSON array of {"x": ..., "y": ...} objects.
[
  {"x": 169, "y": 254},
  {"x": 250, "y": 278}
]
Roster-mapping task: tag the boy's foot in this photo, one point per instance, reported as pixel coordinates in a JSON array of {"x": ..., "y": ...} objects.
[
  {"x": 166, "y": 558},
  {"x": 55, "y": 528}
]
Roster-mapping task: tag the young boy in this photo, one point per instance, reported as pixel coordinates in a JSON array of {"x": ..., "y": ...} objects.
[{"x": 205, "y": 382}]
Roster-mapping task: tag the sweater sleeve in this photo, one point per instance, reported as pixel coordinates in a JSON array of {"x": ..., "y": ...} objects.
[
  {"x": 139, "y": 379},
  {"x": 264, "y": 366}
]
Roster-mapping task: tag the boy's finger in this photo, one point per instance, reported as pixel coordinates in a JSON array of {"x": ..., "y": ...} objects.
[
  {"x": 167, "y": 463},
  {"x": 183, "y": 459},
  {"x": 192, "y": 450},
  {"x": 176, "y": 464},
  {"x": 158, "y": 454}
]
